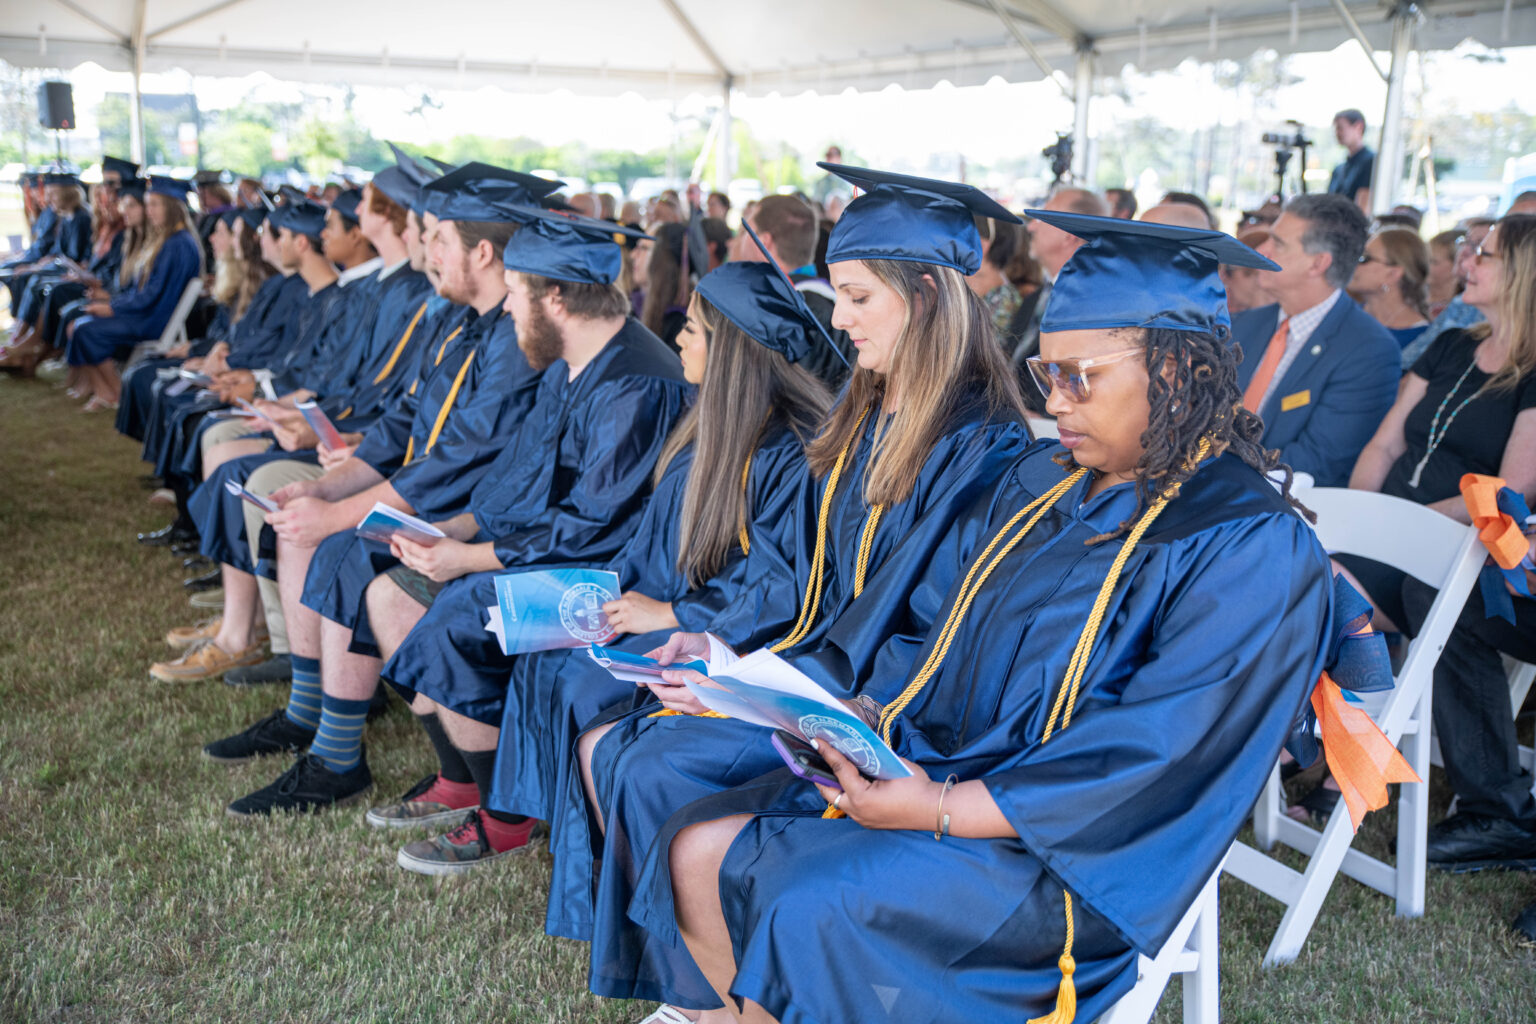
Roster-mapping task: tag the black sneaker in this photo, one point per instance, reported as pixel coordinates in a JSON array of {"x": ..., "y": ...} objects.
[
  {"x": 275, "y": 734},
  {"x": 212, "y": 580},
  {"x": 276, "y": 669},
  {"x": 169, "y": 536},
  {"x": 1525, "y": 926},
  {"x": 1470, "y": 842},
  {"x": 308, "y": 786}
]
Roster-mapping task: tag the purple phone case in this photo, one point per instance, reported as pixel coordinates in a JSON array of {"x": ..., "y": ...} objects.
[{"x": 786, "y": 749}]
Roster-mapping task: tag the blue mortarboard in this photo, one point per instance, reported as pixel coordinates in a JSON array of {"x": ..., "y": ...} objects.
[
  {"x": 761, "y": 300},
  {"x": 442, "y": 165},
  {"x": 133, "y": 187},
  {"x": 397, "y": 185},
  {"x": 919, "y": 220},
  {"x": 60, "y": 178},
  {"x": 253, "y": 216},
  {"x": 482, "y": 192},
  {"x": 417, "y": 173},
  {"x": 1129, "y": 273},
  {"x": 347, "y": 203},
  {"x": 228, "y": 217},
  {"x": 565, "y": 247},
  {"x": 171, "y": 188},
  {"x": 301, "y": 216},
  {"x": 291, "y": 194},
  {"x": 124, "y": 169}
]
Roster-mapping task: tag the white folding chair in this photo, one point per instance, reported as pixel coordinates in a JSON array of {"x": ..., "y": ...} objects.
[
  {"x": 175, "y": 328},
  {"x": 1443, "y": 554},
  {"x": 1193, "y": 953}
]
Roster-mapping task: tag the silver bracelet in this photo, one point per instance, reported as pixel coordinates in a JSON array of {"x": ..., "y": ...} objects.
[{"x": 941, "y": 826}]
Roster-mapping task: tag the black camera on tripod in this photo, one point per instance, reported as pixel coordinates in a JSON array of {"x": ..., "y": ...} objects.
[
  {"x": 1059, "y": 153},
  {"x": 1293, "y": 140}
]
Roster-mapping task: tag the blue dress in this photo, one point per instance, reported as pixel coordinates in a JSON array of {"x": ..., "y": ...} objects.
[
  {"x": 1181, "y": 714},
  {"x": 646, "y": 768},
  {"x": 140, "y": 311}
]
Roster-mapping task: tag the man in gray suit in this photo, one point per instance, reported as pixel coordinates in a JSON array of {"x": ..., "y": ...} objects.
[{"x": 1318, "y": 369}]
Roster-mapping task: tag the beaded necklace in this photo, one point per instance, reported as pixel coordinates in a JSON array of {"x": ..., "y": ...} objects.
[{"x": 1436, "y": 432}]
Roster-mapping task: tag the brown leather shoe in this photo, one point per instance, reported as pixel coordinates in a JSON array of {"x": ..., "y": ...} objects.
[
  {"x": 183, "y": 637},
  {"x": 204, "y": 660}
]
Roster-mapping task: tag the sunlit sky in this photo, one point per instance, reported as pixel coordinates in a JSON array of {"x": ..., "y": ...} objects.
[{"x": 985, "y": 123}]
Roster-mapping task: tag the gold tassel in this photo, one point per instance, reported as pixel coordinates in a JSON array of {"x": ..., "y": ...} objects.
[
  {"x": 1066, "y": 994},
  {"x": 833, "y": 812},
  {"x": 668, "y": 712}
]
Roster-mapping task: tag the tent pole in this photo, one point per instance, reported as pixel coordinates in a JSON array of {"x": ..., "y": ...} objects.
[
  {"x": 138, "y": 41},
  {"x": 725, "y": 168},
  {"x": 1387, "y": 179},
  {"x": 1082, "y": 97}
]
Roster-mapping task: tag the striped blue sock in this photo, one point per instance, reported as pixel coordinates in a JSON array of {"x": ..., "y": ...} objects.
[
  {"x": 339, "y": 740},
  {"x": 304, "y": 698}
]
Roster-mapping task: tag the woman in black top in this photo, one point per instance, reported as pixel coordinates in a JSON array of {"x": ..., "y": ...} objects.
[{"x": 1468, "y": 405}]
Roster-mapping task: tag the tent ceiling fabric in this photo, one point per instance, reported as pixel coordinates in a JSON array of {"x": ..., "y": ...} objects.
[{"x": 600, "y": 46}]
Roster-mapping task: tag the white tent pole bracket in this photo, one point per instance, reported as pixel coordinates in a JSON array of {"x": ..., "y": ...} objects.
[
  {"x": 1359, "y": 34},
  {"x": 193, "y": 17}
]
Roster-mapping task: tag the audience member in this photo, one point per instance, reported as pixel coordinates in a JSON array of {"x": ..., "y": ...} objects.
[
  {"x": 1456, "y": 313},
  {"x": 1190, "y": 199},
  {"x": 1176, "y": 214},
  {"x": 989, "y": 284},
  {"x": 1122, "y": 203},
  {"x": 1245, "y": 285},
  {"x": 1390, "y": 282},
  {"x": 1442, "y": 284},
  {"x": 1352, "y": 178},
  {"x": 667, "y": 283},
  {"x": 718, "y": 206},
  {"x": 1316, "y": 368},
  {"x": 1051, "y": 247},
  {"x": 1525, "y": 202}
]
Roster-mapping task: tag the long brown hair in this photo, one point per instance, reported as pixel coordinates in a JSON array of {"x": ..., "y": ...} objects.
[
  {"x": 133, "y": 241},
  {"x": 240, "y": 272},
  {"x": 1517, "y": 300},
  {"x": 946, "y": 348},
  {"x": 666, "y": 285},
  {"x": 143, "y": 262},
  {"x": 747, "y": 390},
  {"x": 1407, "y": 251}
]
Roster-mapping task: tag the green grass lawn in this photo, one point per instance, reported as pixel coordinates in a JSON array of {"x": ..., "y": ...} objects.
[{"x": 127, "y": 895}]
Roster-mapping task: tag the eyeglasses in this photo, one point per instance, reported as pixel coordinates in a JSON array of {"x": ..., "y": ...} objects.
[
  {"x": 1070, "y": 375},
  {"x": 1366, "y": 257}
]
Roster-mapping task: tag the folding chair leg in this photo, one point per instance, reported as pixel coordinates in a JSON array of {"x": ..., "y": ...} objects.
[
  {"x": 1413, "y": 815},
  {"x": 1322, "y": 868},
  {"x": 1266, "y": 811},
  {"x": 1202, "y": 986}
]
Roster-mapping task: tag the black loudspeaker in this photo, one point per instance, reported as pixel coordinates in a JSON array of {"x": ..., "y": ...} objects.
[{"x": 56, "y": 105}]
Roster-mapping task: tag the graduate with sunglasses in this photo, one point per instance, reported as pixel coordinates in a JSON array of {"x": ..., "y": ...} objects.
[
  {"x": 1087, "y": 725},
  {"x": 930, "y": 416}
]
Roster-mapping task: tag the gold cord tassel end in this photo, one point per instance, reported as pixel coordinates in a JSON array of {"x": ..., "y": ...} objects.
[{"x": 1066, "y": 996}]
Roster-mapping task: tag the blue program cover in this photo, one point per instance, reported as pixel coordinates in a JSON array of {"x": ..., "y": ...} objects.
[
  {"x": 807, "y": 717},
  {"x": 549, "y": 608}
]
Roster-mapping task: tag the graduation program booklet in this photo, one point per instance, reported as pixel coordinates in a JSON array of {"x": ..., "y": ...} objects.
[
  {"x": 766, "y": 690},
  {"x": 546, "y": 609},
  {"x": 321, "y": 424},
  {"x": 637, "y": 668},
  {"x": 383, "y": 524},
  {"x": 239, "y": 491}
]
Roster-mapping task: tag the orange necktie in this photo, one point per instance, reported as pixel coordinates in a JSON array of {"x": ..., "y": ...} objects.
[{"x": 1254, "y": 394}]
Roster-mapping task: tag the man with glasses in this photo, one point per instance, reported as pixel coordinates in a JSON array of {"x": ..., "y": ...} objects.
[{"x": 1317, "y": 369}]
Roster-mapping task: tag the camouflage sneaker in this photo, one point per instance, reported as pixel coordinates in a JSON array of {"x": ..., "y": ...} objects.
[
  {"x": 432, "y": 801},
  {"x": 461, "y": 850}
]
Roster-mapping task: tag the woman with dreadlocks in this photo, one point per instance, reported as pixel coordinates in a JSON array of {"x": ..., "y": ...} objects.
[{"x": 1131, "y": 622}]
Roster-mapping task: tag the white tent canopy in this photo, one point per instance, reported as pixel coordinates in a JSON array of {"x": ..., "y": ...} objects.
[{"x": 657, "y": 47}]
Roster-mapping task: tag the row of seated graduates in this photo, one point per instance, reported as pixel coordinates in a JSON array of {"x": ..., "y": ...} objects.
[
  {"x": 542, "y": 453},
  {"x": 77, "y": 251}
]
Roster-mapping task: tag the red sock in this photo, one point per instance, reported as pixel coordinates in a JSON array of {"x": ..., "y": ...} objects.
[
  {"x": 454, "y": 794},
  {"x": 504, "y": 836}
]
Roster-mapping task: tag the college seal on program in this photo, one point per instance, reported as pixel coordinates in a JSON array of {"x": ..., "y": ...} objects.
[{"x": 581, "y": 612}]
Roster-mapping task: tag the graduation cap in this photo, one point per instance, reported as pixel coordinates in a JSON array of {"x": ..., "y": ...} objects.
[
  {"x": 347, "y": 203},
  {"x": 253, "y": 216},
  {"x": 291, "y": 193},
  {"x": 482, "y": 192},
  {"x": 918, "y": 220},
  {"x": 443, "y": 166},
  {"x": 208, "y": 177},
  {"x": 301, "y": 216},
  {"x": 565, "y": 247},
  {"x": 228, "y": 217},
  {"x": 133, "y": 187},
  {"x": 171, "y": 188},
  {"x": 762, "y": 300},
  {"x": 397, "y": 185},
  {"x": 60, "y": 178},
  {"x": 1129, "y": 273},
  {"x": 124, "y": 169}
]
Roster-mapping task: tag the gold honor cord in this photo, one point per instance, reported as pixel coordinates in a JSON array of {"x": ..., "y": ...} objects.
[
  {"x": 813, "y": 586},
  {"x": 741, "y": 526},
  {"x": 445, "y": 409},
  {"x": 400, "y": 346},
  {"x": 441, "y": 351}
]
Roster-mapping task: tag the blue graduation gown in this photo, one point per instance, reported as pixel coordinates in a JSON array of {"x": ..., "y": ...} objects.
[
  {"x": 141, "y": 311},
  {"x": 569, "y": 489},
  {"x": 356, "y": 398},
  {"x": 1181, "y": 714},
  {"x": 649, "y": 767},
  {"x": 220, "y": 516},
  {"x": 487, "y": 391},
  {"x": 257, "y": 338}
]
